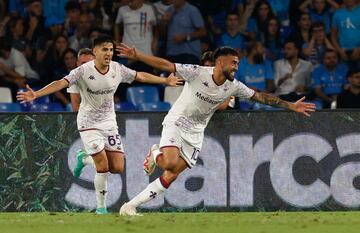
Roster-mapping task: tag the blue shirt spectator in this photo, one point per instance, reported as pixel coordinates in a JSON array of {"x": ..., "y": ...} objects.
[
  {"x": 347, "y": 24},
  {"x": 254, "y": 70},
  {"x": 324, "y": 17},
  {"x": 329, "y": 78},
  {"x": 281, "y": 9},
  {"x": 331, "y": 81},
  {"x": 55, "y": 8},
  {"x": 232, "y": 37},
  {"x": 185, "y": 28},
  {"x": 17, "y": 7},
  {"x": 320, "y": 11},
  {"x": 237, "y": 41}
]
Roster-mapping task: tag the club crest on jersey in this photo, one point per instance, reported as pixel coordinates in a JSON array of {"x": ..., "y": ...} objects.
[
  {"x": 172, "y": 140},
  {"x": 206, "y": 84},
  {"x": 91, "y": 77}
]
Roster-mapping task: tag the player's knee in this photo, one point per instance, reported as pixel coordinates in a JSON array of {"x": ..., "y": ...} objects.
[
  {"x": 102, "y": 166},
  {"x": 119, "y": 168}
]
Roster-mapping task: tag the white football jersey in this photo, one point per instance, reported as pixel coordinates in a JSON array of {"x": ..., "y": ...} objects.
[
  {"x": 201, "y": 97},
  {"x": 97, "y": 93}
]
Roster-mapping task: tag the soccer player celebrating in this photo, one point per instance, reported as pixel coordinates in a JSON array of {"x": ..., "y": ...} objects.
[
  {"x": 183, "y": 127},
  {"x": 97, "y": 81}
]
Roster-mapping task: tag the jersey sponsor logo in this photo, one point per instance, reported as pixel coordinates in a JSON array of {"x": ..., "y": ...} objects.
[
  {"x": 100, "y": 92},
  {"x": 206, "y": 99},
  {"x": 91, "y": 77}
]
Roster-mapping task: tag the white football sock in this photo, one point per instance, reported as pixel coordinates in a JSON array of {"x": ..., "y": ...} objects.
[
  {"x": 100, "y": 183},
  {"x": 154, "y": 189}
]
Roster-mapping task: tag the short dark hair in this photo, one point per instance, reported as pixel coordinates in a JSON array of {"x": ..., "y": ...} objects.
[
  {"x": 72, "y": 5},
  {"x": 103, "y": 39},
  {"x": 207, "y": 56},
  {"x": 330, "y": 51},
  {"x": 317, "y": 24},
  {"x": 224, "y": 51},
  {"x": 29, "y": 2},
  {"x": 85, "y": 51},
  {"x": 292, "y": 41},
  {"x": 232, "y": 12},
  {"x": 352, "y": 71}
]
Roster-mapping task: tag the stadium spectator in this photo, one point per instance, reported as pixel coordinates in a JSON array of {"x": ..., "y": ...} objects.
[
  {"x": 232, "y": 36},
  {"x": 103, "y": 13},
  {"x": 281, "y": 10},
  {"x": 254, "y": 70},
  {"x": 329, "y": 78},
  {"x": 14, "y": 68},
  {"x": 301, "y": 34},
  {"x": 4, "y": 18},
  {"x": 320, "y": 11},
  {"x": 292, "y": 74},
  {"x": 17, "y": 8},
  {"x": 35, "y": 24},
  {"x": 45, "y": 65},
  {"x": 350, "y": 98},
  {"x": 185, "y": 29},
  {"x": 55, "y": 9},
  {"x": 319, "y": 43},
  {"x": 239, "y": 6},
  {"x": 272, "y": 40},
  {"x": 256, "y": 24},
  {"x": 72, "y": 9},
  {"x": 81, "y": 37},
  {"x": 345, "y": 33},
  {"x": 136, "y": 26},
  {"x": 161, "y": 7},
  {"x": 16, "y": 33},
  {"x": 69, "y": 62},
  {"x": 55, "y": 26},
  {"x": 217, "y": 16}
]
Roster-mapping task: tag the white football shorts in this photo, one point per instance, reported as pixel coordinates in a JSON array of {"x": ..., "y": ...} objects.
[
  {"x": 188, "y": 143},
  {"x": 96, "y": 140}
]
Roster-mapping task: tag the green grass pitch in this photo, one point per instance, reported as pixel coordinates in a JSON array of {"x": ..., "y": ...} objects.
[{"x": 245, "y": 222}]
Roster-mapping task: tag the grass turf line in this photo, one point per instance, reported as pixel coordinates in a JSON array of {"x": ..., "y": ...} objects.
[{"x": 273, "y": 222}]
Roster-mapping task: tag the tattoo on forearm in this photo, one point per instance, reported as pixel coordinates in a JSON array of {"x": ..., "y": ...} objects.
[{"x": 271, "y": 100}]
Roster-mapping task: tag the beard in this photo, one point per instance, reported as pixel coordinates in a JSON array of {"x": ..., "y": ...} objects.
[
  {"x": 229, "y": 75},
  {"x": 258, "y": 59}
]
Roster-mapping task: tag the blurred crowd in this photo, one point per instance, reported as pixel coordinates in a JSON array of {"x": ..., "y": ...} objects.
[{"x": 290, "y": 48}]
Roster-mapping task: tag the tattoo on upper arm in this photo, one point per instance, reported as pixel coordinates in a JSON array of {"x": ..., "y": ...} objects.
[{"x": 270, "y": 100}]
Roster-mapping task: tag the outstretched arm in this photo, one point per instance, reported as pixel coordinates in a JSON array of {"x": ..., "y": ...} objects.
[
  {"x": 30, "y": 94},
  {"x": 172, "y": 80},
  {"x": 156, "y": 62},
  {"x": 299, "y": 106}
]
